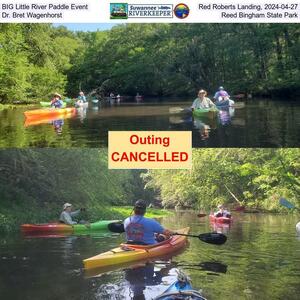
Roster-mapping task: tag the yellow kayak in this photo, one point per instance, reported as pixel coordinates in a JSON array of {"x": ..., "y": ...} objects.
[{"x": 128, "y": 253}]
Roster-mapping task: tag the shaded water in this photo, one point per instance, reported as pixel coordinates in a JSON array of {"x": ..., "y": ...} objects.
[
  {"x": 255, "y": 123},
  {"x": 260, "y": 260}
]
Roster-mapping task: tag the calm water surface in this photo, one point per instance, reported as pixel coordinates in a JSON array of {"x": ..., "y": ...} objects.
[
  {"x": 255, "y": 123},
  {"x": 260, "y": 260}
]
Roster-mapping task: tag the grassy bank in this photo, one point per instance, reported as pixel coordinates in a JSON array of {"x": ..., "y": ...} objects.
[{"x": 126, "y": 211}]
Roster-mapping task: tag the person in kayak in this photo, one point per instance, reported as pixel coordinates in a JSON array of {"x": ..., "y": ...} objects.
[
  {"x": 67, "y": 215},
  {"x": 221, "y": 94},
  {"x": 56, "y": 101},
  {"x": 141, "y": 230},
  {"x": 222, "y": 212},
  {"x": 81, "y": 97},
  {"x": 202, "y": 101}
]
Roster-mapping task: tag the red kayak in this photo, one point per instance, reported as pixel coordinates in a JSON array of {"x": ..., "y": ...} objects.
[{"x": 222, "y": 220}]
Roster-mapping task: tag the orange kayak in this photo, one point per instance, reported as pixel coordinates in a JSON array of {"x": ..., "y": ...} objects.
[
  {"x": 128, "y": 253},
  {"x": 46, "y": 120},
  {"x": 51, "y": 113}
]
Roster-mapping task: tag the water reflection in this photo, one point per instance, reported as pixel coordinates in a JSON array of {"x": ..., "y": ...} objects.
[
  {"x": 225, "y": 115},
  {"x": 207, "y": 266},
  {"x": 141, "y": 277},
  {"x": 58, "y": 124},
  {"x": 238, "y": 127}
]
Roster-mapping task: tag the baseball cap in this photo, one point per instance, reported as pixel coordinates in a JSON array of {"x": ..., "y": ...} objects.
[{"x": 67, "y": 205}]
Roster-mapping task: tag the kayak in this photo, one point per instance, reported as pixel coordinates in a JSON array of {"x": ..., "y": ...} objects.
[
  {"x": 181, "y": 289},
  {"x": 60, "y": 227},
  {"x": 205, "y": 112},
  {"x": 298, "y": 227},
  {"x": 95, "y": 101},
  {"x": 47, "y": 120},
  {"x": 54, "y": 113},
  {"x": 222, "y": 220},
  {"x": 48, "y": 104},
  {"x": 127, "y": 252}
]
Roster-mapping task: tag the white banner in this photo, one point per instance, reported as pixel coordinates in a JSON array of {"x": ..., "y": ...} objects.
[{"x": 139, "y": 11}]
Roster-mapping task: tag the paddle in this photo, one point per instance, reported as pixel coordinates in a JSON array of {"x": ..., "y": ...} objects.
[
  {"x": 287, "y": 204},
  {"x": 210, "y": 238}
]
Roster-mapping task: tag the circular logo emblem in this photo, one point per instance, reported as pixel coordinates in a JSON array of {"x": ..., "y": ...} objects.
[{"x": 181, "y": 11}]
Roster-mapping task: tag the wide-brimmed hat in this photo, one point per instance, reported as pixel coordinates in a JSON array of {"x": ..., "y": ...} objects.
[
  {"x": 58, "y": 95},
  {"x": 67, "y": 205},
  {"x": 202, "y": 92}
]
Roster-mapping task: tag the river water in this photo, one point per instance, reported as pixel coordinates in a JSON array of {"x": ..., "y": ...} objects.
[
  {"x": 260, "y": 260},
  {"x": 255, "y": 123}
]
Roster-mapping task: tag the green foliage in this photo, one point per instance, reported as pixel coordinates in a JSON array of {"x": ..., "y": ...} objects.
[
  {"x": 35, "y": 183},
  {"x": 253, "y": 177},
  {"x": 178, "y": 59},
  {"x": 34, "y": 59},
  {"x": 152, "y": 59}
]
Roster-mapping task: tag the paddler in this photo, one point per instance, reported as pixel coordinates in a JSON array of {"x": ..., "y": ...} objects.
[
  {"x": 141, "y": 230},
  {"x": 202, "y": 101},
  {"x": 67, "y": 215},
  {"x": 56, "y": 101},
  {"x": 81, "y": 97},
  {"x": 221, "y": 95},
  {"x": 222, "y": 212}
]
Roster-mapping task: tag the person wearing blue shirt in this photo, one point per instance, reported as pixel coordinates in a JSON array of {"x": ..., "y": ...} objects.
[
  {"x": 141, "y": 230},
  {"x": 56, "y": 101},
  {"x": 81, "y": 97}
]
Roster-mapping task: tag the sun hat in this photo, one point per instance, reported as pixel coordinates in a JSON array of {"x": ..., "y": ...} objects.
[
  {"x": 67, "y": 205},
  {"x": 58, "y": 95}
]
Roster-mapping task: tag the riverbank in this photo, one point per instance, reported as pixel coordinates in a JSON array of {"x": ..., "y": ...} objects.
[{"x": 10, "y": 220}]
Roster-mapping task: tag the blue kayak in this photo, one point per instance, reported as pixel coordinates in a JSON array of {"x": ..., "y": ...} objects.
[{"x": 180, "y": 290}]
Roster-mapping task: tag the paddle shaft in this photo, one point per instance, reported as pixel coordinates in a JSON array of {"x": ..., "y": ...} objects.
[
  {"x": 288, "y": 204},
  {"x": 183, "y": 234}
]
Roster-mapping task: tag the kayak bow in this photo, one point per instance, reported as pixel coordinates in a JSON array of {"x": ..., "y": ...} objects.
[
  {"x": 127, "y": 252},
  {"x": 205, "y": 112},
  {"x": 181, "y": 289},
  {"x": 222, "y": 220}
]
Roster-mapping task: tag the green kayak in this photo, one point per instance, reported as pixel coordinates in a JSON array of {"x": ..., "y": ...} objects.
[
  {"x": 48, "y": 104},
  {"x": 59, "y": 227},
  {"x": 205, "y": 112}
]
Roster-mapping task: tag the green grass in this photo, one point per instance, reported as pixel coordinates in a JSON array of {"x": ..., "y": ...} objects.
[{"x": 126, "y": 211}]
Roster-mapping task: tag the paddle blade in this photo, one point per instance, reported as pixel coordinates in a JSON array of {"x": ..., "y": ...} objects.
[
  {"x": 213, "y": 238},
  {"x": 201, "y": 215},
  {"x": 116, "y": 227},
  {"x": 286, "y": 203}
]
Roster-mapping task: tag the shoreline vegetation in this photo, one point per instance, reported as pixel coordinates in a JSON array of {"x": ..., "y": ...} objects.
[
  {"x": 35, "y": 183},
  {"x": 154, "y": 60}
]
